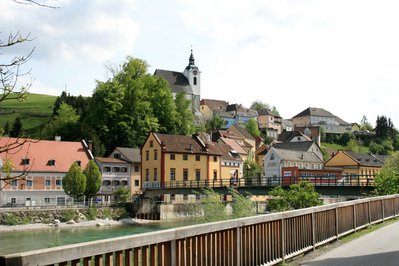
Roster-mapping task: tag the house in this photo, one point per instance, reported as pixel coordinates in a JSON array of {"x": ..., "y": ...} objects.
[
  {"x": 188, "y": 82},
  {"x": 292, "y": 136},
  {"x": 287, "y": 125},
  {"x": 115, "y": 175},
  {"x": 364, "y": 166},
  {"x": 260, "y": 154},
  {"x": 241, "y": 114},
  {"x": 40, "y": 166},
  {"x": 276, "y": 159},
  {"x": 330, "y": 124},
  {"x": 270, "y": 123},
  {"x": 231, "y": 164},
  {"x": 248, "y": 142},
  {"x": 209, "y": 107},
  {"x": 167, "y": 159},
  {"x": 312, "y": 132},
  {"x": 133, "y": 157},
  {"x": 306, "y": 146}
]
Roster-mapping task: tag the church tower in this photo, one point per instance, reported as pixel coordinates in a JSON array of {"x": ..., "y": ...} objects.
[{"x": 193, "y": 75}]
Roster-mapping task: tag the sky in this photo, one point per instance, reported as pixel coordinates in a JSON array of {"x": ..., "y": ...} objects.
[{"x": 342, "y": 56}]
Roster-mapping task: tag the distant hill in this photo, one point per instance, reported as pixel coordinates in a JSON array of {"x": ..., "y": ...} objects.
[{"x": 35, "y": 112}]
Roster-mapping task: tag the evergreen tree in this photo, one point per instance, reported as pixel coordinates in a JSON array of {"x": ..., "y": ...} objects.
[
  {"x": 93, "y": 179},
  {"x": 16, "y": 128},
  {"x": 74, "y": 182}
]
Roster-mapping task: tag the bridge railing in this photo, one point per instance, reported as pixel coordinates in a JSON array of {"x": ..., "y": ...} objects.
[
  {"x": 339, "y": 180},
  {"x": 260, "y": 240}
]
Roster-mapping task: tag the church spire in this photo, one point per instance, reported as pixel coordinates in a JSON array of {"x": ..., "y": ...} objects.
[{"x": 191, "y": 64}]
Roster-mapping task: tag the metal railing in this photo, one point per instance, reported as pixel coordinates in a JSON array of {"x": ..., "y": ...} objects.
[
  {"x": 260, "y": 240},
  {"x": 319, "y": 181}
]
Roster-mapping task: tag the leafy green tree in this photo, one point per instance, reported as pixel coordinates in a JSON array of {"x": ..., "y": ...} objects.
[
  {"x": 122, "y": 194},
  {"x": 365, "y": 125},
  {"x": 74, "y": 182},
  {"x": 259, "y": 105},
  {"x": 353, "y": 145},
  {"x": 16, "y": 128},
  {"x": 251, "y": 169},
  {"x": 215, "y": 123},
  {"x": 185, "y": 117},
  {"x": 65, "y": 124},
  {"x": 93, "y": 179},
  {"x": 252, "y": 127},
  {"x": 387, "y": 180},
  {"x": 298, "y": 196},
  {"x": 212, "y": 206},
  {"x": 242, "y": 206}
]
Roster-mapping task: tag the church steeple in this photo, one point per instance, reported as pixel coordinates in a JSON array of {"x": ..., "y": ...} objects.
[{"x": 191, "y": 64}]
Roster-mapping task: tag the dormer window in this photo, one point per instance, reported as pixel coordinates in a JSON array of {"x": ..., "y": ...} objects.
[
  {"x": 25, "y": 161},
  {"x": 78, "y": 162},
  {"x": 117, "y": 155},
  {"x": 51, "y": 162}
]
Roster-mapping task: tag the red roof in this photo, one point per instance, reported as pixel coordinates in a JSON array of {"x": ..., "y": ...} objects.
[{"x": 42, "y": 154}]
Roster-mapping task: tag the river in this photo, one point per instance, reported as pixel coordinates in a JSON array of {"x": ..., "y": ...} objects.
[{"x": 19, "y": 241}]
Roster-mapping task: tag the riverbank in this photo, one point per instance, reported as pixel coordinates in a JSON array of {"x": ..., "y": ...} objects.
[{"x": 87, "y": 223}]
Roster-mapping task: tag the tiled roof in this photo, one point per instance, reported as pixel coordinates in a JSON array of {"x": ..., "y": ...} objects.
[
  {"x": 109, "y": 160},
  {"x": 295, "y": 146},
  {"x": 289, "y": 155},
  {"x": 225, "y": 150},
  {"x": 287, "y": 136},
  {"x": 242, "y": 131},
  {"x": 313, "y": 111},
  {"x": 234, "y": 145},
  {"x": 215, "y": 105},
  {"x": 262, "y": 150},
  {"x": 341, "y": 122},
  {"x": 381, "y": 158},
  {"x": 133, "y": 155},
  {"x": 177, "y": 81},
  {"x": 267, "y": 112},
  {"x": 365, "y": 159},
  {"x": 184, "y": 144},
  {"x": 40, "y": 153}
]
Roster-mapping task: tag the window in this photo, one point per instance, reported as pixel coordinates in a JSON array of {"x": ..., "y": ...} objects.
[
  {"x": 106, "y": 183},
  {"x": 215, "y": 174},
  {"x": 151, "y": 143},
  {"x": 172, "y": 156},
  {"x": 14, "y": 183},
  {"x": 29, "y": 183},
  {"x": 172, "y": 174},
  {"x": 116, "y": 169},
  {"x": 124, "y": 169},
  {"x": 155, "y": 174},
  {"x": 117, "y": 155},
  {"x": 198, "y": 157},
  {"x": 25, "y": 161},
  {"x": 48, "y": 183},
  {"x": 185, "y": 174},
  {"x": 51, "y": 162},
  {"x": 58, "y": 182},
  {"x": 137, "y": 168},
  {"x": 215, "y": 158},
  {"x": 78, "y": 162},
  {"x": 197, "y": 174},
  {"x": 155, "y": 155},
  {"x": 147, "y": 175},
  {"x": 195, "y": 81},
  {"x": 147, "y": 155},
  {"x": 47, "y": 200},
  {"x": 136, "y": 183},
  {"x": 185, "y": 157},
  {"x": 106, "y": 169},
  {"x": 13, "y": 200}
]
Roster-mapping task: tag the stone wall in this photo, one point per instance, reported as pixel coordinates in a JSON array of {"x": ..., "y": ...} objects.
[{"x": 47, "y": 216}]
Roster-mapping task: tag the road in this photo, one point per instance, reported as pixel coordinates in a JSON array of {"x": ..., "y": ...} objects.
[{"x": 380, "y": 247}]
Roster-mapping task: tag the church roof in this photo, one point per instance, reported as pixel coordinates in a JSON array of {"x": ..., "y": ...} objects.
[{"x": 177, "y": 81}]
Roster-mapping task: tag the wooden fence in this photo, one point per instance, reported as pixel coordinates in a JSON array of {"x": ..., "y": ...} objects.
[{"x": 260, "y": 240}]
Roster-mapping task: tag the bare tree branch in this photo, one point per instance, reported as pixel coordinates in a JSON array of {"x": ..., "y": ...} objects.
[{"x": 31, "y": 2}]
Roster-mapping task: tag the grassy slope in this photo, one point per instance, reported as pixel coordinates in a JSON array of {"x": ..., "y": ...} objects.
[{"x": 35, "y": 111}]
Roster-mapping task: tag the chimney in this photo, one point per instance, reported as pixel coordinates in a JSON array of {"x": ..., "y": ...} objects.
[
  {"x": 57, "y": 138},
  {"x": 190, "y": 147}
]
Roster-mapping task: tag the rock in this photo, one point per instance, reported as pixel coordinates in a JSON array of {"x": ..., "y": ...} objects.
[
  {"x": 56, "y": 221},
  {"x": 99, "y": 224},
  {"x": 70, "y": 222},
  {"x": 56, "y": 225}
]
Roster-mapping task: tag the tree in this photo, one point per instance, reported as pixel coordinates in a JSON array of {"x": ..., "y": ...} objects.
[
  {"x": 387, "y": 180},
  {"x": 212, "y": 207},
  {"x": 93, "y": 179},
  {"x": 133, "y": 102},
  {"x": 259, "y": 106},
  {"x": 16, "y": 128},
  {"x": 215, "y": 123},
  {"x": 74, "y": 182},
  {"x": 122, "y": 194},
  {"x": 353, "y": 145},
  {"x": 65, "y": 124},
  {"x": 242, "y": 206},
  {"x": 6, "y": 129},
  {"x": 252, "y": 127},
  {"x": 298, "y": 196},
  {"x": 365, "y": 125},
  {"x": 185, "y": 117},
  {"x": 384, "y": 128}
]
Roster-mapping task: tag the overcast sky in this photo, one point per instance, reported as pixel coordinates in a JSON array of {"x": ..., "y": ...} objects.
[{"x": 342, "y": 56}]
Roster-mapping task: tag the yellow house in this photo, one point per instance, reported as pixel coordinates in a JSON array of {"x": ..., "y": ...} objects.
[
  {"x": 168, "y": 159},
  {"x": 362, "y": 165}
]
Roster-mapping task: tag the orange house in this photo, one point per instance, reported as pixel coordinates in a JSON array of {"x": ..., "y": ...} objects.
[{"x": 40, "y": 166}]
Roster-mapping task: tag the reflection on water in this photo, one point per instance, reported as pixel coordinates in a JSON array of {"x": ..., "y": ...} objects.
[{"x": 19, "y": 241}]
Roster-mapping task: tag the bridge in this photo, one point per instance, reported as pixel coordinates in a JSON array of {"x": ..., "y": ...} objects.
[
  {"x": 259, "y": 240},
  {"x": 338, "y": 185}
]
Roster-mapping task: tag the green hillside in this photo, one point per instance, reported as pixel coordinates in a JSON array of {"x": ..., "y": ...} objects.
[{"x": 35, "y": 112}]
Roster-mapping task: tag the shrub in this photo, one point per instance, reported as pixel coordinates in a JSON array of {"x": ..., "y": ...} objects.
[
  {"x": 92, "y": 213},
  {"x": 68, "y": 215}
]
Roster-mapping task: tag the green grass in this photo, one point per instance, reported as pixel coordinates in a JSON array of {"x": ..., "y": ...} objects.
[
  {"x": 35, "y": 112},
  {"x": 363, "y": 149}
]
